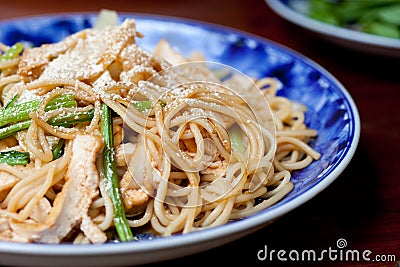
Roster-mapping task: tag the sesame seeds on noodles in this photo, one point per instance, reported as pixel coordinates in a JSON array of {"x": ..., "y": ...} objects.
[{"x": 193, "y": 151}]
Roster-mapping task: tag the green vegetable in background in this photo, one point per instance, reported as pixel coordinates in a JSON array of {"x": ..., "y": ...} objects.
[{"x": 380, "y": 17}]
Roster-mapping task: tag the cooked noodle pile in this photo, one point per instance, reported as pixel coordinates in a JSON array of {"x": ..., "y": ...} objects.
[{"x": 191, "y": 152}]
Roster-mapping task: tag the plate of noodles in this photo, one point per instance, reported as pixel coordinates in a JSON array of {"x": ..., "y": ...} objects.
[
  {"x": 124, "y": 136},
  {"x": 368, "y": 26}
]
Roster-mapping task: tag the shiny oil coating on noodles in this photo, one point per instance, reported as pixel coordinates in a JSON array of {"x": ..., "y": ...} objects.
[{"x": 178, "y": 166}]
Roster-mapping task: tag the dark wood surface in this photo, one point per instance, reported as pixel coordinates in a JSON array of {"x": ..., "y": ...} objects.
[{"x": 363, "y": 204}]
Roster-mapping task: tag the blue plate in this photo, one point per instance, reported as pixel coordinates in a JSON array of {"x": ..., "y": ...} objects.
[{"x": 331, "y": 111}]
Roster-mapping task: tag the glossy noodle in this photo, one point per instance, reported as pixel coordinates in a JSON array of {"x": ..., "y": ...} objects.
[{"x": 189, "y": 150}]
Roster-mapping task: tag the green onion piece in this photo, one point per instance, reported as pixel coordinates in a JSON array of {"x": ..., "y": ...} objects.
[
  {"x": 12, "y": 52},
  {"x": 14, "y": 157},
  {"x": 72, "y": 118},
  {"x": 14, "y": 128},
  {"x": 58, "y": 150},
  {"x": 11, "y": 102},
  {"x": 142, "y": 105},
  {"x": 235, "y": 134},
  {"x": 61, "y": 120},
  {"x": 110, "y": 174},
  {"x": 20, "y": 112},
  {"x": 61, "y": 101}
]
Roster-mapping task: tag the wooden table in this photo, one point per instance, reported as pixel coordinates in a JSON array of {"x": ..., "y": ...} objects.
[{"x": 363, "y": 204}]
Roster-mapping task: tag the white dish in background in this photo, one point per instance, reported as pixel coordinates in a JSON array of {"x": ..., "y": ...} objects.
[
  {"x": 292, "y": 10},
  {"x": 331, "y": 111}
]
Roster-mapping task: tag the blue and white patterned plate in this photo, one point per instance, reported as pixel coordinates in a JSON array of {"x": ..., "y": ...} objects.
[{"x": 331, "y": 111}]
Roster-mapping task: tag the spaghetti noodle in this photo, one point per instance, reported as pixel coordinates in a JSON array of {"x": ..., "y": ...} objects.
[{"x": 192, "y": 150}]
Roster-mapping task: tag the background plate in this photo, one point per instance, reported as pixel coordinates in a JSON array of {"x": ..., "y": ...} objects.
[
  {"x": 331, "y": 111},
  {"x": 361, "y": 41}
]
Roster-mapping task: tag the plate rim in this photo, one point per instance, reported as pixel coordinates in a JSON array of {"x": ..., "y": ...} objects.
[{"x": 254, "y": 221}]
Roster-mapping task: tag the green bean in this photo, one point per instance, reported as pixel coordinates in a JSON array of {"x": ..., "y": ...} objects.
[{"x": 110, "y": 174}]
